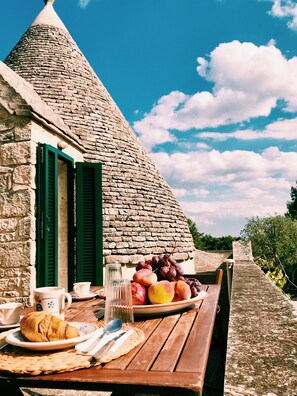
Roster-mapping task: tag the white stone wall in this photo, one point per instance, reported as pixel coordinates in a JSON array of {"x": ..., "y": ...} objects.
[
  {"x": 19, "y": 137},
  {"x": 17, "y": 209}
]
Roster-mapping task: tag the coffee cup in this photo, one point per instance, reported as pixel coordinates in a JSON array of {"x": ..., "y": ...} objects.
[
  {"x": 82, "y": 289},
  {"x": 10, "y": 313},
  {"x": 52, "y": 299}
]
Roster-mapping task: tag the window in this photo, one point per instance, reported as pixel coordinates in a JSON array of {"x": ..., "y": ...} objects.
[{"x": 69, "y": 220}]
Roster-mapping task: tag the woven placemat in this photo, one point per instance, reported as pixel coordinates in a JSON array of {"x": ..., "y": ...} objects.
[{"x": 15, "y": 360}]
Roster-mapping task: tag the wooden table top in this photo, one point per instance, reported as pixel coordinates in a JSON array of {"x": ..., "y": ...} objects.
[{"x": 172, "y": 359}]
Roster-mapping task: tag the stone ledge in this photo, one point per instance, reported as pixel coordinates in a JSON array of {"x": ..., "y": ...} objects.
[{"x": 262, "y": 339}]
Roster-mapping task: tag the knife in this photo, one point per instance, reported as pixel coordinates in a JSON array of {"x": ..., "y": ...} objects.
[
  {"x": 84, "y": 347},
  {"x": 111, "y": 345},
  {"x": 101, "y": 342}
]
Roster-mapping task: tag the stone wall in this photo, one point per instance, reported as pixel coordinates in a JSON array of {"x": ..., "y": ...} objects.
[
  {"x": 262, "y": 337},
  {"x": 17, "y": 209},
  {"x": 242, "y": 250}
]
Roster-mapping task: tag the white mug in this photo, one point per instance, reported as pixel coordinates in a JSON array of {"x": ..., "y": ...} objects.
[
  {"x": 52, "y": 300},
  {"x": 10, "y": 313},
  {"x": 82, "y": 289}
]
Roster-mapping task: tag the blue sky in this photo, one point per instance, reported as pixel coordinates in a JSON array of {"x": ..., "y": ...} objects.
[{"x": 209, "y": 87}]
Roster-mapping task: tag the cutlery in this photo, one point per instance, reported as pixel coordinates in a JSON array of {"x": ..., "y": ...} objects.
[
  {"x": 110, "y": 347},
  {"x": 112, "y": 327},
  {"x": 103, "y": 341}
]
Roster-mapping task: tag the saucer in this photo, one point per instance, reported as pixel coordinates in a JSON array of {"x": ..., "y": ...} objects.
[
  {"x": 81, "y": 298},
  {"x": 11, "y": 326}
]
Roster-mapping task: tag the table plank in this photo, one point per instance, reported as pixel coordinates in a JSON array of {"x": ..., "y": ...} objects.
[
  {"x": 169, "y": 355},
  {"x": 195, "y": 354},
  {"x": 100, "y": 379},
  {"x": 154, "y": 344}
]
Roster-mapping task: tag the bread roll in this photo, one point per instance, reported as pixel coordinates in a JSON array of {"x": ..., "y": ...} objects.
[{"x": 43, "y": 326}]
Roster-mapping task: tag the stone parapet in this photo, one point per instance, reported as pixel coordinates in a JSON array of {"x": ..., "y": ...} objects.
[
  {"x": 242, "y": 250},
  {"x": 262, "y": 338}
]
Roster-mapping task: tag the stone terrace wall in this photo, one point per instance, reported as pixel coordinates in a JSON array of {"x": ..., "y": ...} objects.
[
  {"x": 262, "y": 338},
  {"x": 17, "y": 222},
  {"x": 242, "y": 250}
]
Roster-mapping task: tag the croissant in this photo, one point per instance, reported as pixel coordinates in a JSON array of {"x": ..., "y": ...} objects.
[{"x": 43, "y": 326}]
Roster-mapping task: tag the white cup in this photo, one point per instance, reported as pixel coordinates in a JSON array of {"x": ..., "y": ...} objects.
[
  {"x": 10, "y": 313},
  {"x": 52, "y": 300},
  {"x": 82, "y": 289}
]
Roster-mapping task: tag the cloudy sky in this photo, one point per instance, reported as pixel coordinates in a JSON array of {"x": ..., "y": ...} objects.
[{"x": 209, "y": 87}]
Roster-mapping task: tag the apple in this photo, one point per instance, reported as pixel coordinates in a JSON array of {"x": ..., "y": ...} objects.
[
  {"x": 139, "y": 293},
  {"x": 182, "y": 291},
  {"x": 145, "y": 277},
  {"x": 161, "y": 292}
]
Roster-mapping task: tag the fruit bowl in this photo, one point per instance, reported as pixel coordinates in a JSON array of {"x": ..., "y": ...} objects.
[{"x": 157, "y": 309}]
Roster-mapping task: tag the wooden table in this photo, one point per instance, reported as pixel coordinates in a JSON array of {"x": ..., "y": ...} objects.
[{"x": 172, "y": 360}]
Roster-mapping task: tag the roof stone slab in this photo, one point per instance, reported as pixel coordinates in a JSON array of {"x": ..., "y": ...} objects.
[{"x": 141, "y": 214}]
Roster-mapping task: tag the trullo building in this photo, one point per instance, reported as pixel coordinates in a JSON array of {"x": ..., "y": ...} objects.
[{"x": 77, "y": 189}]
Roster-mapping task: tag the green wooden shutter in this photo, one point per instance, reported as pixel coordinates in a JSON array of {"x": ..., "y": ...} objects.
[
  {"x": 47, "y": 215},
  {"x": 89, "y": 245}
]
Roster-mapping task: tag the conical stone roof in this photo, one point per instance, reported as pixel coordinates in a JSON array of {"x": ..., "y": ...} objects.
[{"x": 141, "y": 214}]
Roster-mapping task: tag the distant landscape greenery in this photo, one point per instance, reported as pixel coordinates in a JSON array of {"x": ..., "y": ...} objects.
[
  {"x": 274, "y": 244},
  {"x": 208, "y": 242}
]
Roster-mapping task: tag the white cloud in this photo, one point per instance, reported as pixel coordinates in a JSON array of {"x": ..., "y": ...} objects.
[
  {"x": 84, "y": 3},
  {"x": 285, "y": 9},
  {"x": 248, "y": 81},
  {"x": 202, "y": 146},
  {"x": 199, "y": 169},
  {"x": 230, "y": 186},
  {"x": 280, "y": 130}
]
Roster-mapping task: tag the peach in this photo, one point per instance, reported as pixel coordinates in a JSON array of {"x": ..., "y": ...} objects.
[
  {"x": 182, "y": 291},
  {"x": 145, "y": 277},
  {"x": 161, "y": 292},
  {"x": 139, "y": 294}
]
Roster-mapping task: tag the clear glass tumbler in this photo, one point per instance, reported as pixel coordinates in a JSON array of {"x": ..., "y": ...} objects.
[
  {"x": 113, "y": 272},
  {"x": 118, "y": 304}
]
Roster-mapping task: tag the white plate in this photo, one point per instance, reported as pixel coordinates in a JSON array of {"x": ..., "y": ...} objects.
[
  {"x": 81, "y": 298},
  {"x": 85, "y": 330},
  {"x": 154, "y": 309}
]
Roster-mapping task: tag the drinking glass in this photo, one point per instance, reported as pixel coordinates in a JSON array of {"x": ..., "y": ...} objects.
[
  {"x": 118, "y": 303},
  {"x": 113, "y": 272}
]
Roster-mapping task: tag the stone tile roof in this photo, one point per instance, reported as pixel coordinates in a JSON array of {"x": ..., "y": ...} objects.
[
  {"x": 25, "y": 101},
  {"x": 141, "y": 214}
]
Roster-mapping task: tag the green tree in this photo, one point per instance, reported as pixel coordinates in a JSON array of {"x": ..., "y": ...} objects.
[
  {"x": 208, "y": 242},
  {"x": 218, "y": 243},
  {"x": 292, "y": 205},
  {"x": 274, "y": 239},
  {"x": 196, "y": 235}
]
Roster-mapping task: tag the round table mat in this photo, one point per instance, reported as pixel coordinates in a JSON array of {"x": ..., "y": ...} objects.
[{"x": 15, "y": 360}]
